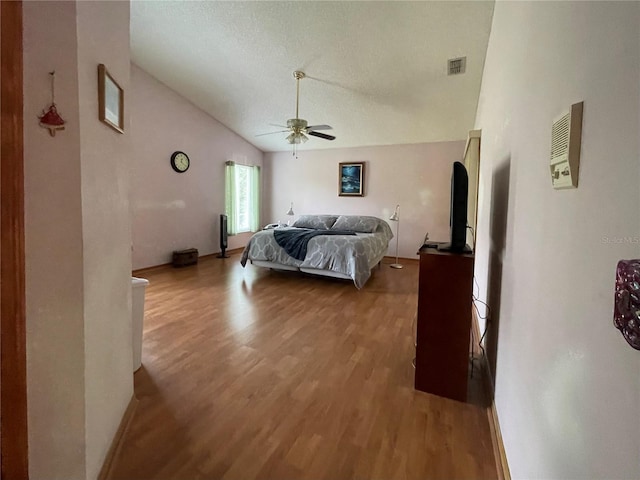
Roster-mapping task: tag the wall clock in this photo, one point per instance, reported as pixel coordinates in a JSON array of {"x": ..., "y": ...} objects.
[{"x": 180, "y": 162}]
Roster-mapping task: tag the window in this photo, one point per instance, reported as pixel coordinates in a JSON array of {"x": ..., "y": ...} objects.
[{"x": 242, "y": 198}]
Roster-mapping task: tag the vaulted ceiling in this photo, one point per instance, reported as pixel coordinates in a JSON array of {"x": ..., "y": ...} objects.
[{"x": 376, "y": 71}]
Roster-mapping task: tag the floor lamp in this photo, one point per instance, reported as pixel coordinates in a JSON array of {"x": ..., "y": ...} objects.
[{"x": 396, "y": 218}]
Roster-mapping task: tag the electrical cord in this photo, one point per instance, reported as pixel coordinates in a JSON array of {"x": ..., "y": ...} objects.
[
  {"x": 475, "y": 284},
  {"x": 486, "y": 317},
  {"x": 487, "y": 322},
  {"x": 487, "y": 310},
  {"x": 473, "y": 235},
  {"x": 472, "y": 357}
]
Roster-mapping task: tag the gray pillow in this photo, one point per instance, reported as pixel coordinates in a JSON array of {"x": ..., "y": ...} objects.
[
  {"x": 317, "y": 222},
  {"x": 356, "y": 223}
]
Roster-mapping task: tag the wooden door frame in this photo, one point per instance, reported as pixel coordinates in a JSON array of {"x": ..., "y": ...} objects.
[{"x": 13, "y": 359}]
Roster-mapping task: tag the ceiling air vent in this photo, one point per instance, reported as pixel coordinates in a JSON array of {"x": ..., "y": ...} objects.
[{"x": 457, "y": 65}]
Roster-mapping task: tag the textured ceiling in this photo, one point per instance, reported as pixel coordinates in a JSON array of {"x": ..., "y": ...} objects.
[{"x": 376, "y": 71}]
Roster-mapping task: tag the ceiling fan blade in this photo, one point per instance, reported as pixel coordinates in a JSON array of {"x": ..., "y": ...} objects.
[
  {"x": 320, "y": 127},
  {"x": 321, "y": 135},
  {"x": 276, "y": 125},
  {"x": 271, "y": 133}
]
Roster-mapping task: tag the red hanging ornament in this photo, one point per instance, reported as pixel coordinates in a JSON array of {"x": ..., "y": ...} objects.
[{"x": 50, "y": 118}]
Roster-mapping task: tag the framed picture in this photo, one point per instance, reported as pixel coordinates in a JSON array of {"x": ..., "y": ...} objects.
[
  {"x": 110, "y": 100},
  {"x": 351, "y": 180}
]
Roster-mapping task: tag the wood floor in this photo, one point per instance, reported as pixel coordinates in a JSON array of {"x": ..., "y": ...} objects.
[{"x": 256, "y": 374}]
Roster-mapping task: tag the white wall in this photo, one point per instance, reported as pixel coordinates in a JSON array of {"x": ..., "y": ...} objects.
[
  {"x": 77, "y": 234},
  {"x": 567, "y": 383},
  {"x": 103, "y": 37},
  {"x": 173, "y": 211},
  {"x": 0, "y": 131},
  {"x": 53, "y": 243},
  {"x": 418, "y": 177}
]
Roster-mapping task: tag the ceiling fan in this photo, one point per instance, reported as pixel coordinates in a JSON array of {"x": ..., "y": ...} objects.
[{"x": 298, "y": 128}]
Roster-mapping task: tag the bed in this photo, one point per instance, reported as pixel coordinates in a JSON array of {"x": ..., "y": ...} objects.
[{"x": 340, "y": 246}]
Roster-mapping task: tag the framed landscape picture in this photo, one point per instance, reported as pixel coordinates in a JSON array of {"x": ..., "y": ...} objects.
[
  {"x": 351, "y": 180},
  {"x": 110, "y": 100}
]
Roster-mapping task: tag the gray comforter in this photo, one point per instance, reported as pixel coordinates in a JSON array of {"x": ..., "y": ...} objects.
[{"x": 349, "y": 255}]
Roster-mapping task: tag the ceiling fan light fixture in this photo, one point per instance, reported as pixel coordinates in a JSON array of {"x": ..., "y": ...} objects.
[
  {"x": 297, "y": 127},
  {"x": 297, "y": 138}
]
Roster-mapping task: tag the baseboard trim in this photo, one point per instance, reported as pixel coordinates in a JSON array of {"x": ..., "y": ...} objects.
[
  {"x": 233, "y": 251},
  {"x": 409, "y": 261},
  {"x": 502, "y": 467},
  {"x": 118, "y": 439},
  {"x": 236, "y": 251},
  {"x": 500, "y": 456},
  {"x": 142, "y": 271}
]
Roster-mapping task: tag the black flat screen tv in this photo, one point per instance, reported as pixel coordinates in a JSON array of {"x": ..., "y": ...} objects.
[{"x": 458, "y": 211}]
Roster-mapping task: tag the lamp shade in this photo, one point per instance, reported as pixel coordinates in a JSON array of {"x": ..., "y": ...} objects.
[
  {"x": 290, "y": 211},
  {"x": 396, "y": 216},
  {"x": 296, "y": 138}
]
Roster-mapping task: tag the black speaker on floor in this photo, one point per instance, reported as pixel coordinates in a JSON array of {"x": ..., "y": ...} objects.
[{"x": 223, "y": 237}]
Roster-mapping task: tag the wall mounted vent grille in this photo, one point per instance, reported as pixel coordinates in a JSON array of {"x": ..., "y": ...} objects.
[
  {"x": 566, "y": 137},
  {"x": 457, "y": 65},
  {"x": 560, "y": 137}
]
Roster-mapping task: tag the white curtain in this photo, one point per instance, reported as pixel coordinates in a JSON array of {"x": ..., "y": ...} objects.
[
  {"x": 230, "y": 197},
  {"x": 242, "y": 198},
  {"x": 254, "y": 211}
]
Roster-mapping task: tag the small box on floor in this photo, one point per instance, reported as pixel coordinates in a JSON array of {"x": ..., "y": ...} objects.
[{"x": 183, "y": 258}]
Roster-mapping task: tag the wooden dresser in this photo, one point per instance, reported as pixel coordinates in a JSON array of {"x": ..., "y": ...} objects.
[{"x": 444, "y": 323}]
